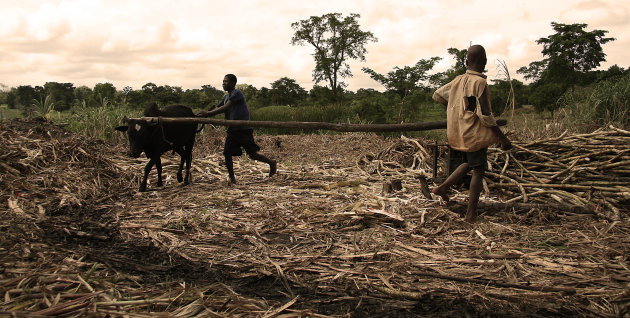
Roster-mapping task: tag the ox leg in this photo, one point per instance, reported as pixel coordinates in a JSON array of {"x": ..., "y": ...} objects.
[
  {"x": 188, "y": 153},
  {"x": 158, "y": 167},
  {"x": 147, "y": 169},
  {"x": 182, "y": 156}
]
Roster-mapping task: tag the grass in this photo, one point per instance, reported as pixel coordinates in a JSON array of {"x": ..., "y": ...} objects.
[
  {"x": 9, "y": 113},
  {"x": 600, "y": 104}
]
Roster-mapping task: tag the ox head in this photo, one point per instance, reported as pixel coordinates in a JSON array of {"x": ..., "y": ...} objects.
[{"x": 139, "y": 135}]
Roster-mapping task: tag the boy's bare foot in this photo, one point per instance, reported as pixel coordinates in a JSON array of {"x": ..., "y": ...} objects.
[
  {"x": 441, "y": 193},
  {"x": 273, "y": 168},
  {"x": 470, "y": 217}
]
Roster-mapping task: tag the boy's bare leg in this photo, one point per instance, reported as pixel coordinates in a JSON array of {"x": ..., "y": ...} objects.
[
  {"x": 476, "y": 184},
  {"x": 459, "y": 173},
  {"x": 273, "y": 166},
  {"x": 230, "y": 168}
]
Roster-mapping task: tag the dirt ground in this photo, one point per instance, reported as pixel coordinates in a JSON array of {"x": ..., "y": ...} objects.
[{"x": 319, "y": 239}]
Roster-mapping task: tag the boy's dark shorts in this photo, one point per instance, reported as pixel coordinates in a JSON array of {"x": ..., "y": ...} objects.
[
  {"x": 237, "y": 139},
  {"x": 477, "y": 159}
]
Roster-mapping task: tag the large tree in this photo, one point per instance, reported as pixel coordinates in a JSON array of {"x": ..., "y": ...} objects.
[
  {"x": 571, "y": 48},
  {"x": 404, "y": 80},
  {"x": 62, "y": 94},
  {"x": 286, "y": 91},
  {"x": 336, "y": 40},
  {"x": 570, "y": 54}
]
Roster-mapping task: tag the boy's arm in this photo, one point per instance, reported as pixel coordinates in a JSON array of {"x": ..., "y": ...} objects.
[
  {"x": 438, "y": 98},
  {"x": 216, "y": 109},
  {"x": 484, "y": 103}
]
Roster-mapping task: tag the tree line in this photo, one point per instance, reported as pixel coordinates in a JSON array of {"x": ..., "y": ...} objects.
[{"x": 571, "y": 56}]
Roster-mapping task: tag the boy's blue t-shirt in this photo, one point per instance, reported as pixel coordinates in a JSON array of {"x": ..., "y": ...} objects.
[{"x": 238, "y": 111}]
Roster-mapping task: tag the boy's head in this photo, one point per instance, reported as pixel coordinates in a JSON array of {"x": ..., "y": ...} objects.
[
  {"x": 229, "y": 82},
  {"x": 476, "y": 58}
]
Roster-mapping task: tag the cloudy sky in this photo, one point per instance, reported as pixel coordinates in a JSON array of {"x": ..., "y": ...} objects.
[{"x": 190, "y": 43}]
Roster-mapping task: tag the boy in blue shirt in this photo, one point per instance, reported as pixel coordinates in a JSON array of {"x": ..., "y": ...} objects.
[{"x": 235, "y": 108}]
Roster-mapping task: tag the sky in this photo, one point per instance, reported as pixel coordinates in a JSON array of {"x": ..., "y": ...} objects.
[{"x": 190, "y": 43}]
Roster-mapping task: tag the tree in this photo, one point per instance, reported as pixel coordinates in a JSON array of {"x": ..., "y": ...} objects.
[
  {"x": 320, "y": 95},
  {"x": 102, "y": 92},
  {"x": 62, "y": 94},
  {"x": 261, "y": 99},
  {"x": 372, "y": 106},
  {"x": 286, "y": 91},
  {"x": 166, "y": 95},
  {"x": 458, "y": 68},
  {"x": 25, "y": 94},
  {"x": 82, "y": 93},
  {"x": 403, "y": 81},
  {"x": 248, "y": 90},
  {"x": 195, "y": 98},
  {"x": 570, "y": 54},
  {"x": 406, "y": 80},
  {"x": 501, "y": 94},
  {"x": 571, "y": 49},
  {"x": 214, "y": 94},
  {"x": 149, "y": 91},
  {"x": 336, "y": 40},
  {"x": 136, "y": 98}
]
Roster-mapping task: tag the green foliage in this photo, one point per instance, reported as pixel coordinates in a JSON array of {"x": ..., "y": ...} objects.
[
  {"x": 82, "y": 93},
  {"x": 458, "y": 68},
  {"x": 261, "y": 99},
  {"x": 336, "y": 39},
  {"x": 8, "y": 113},
  {"x": 320, "y": 96},
  {"x": 62, "y": 94},
  {"x": 419, "y": 107},
  {"x": 545, "y": 97},
  {"x": 286, "y": 91},
  {"x": 404, "y": 80},
  {"x": 44, "y": 107},
  {"x": 99, "y": 122},
  {"x": 25, "y": 94},
  {"x": 374, "y": 107},
  {"x": 501, "y": 94},
  {"x": 101, "y": 91},
  {"x": 582, "y": 50},
  {"x": 213, "y": 94},
  {"x": 333, "y": 113},
  {"x": 570, "y": 54},
  {"x": 602, "y": 103},
  {"x": 570, "y": 50}
]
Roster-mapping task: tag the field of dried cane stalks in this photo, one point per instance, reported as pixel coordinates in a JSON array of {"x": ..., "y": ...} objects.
[{"x": 320, "y": 239}]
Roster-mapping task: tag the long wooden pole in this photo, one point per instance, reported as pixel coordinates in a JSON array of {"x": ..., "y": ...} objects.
[{"x": 429, "y": 125}]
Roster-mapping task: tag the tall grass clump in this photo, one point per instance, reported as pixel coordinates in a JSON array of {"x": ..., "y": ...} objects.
[
  {"x": 99, "y": 122},
  {"x": 44, "y": 107},
  {"x": 600, "y": 104},
  {"x": 329, "y": 113}
]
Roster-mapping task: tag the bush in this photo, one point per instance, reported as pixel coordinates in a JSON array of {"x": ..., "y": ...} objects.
[
  {"x": 602, "y": 103},
  {"x": 99, "y": 122},
  {"x": 330, "y": 114}
]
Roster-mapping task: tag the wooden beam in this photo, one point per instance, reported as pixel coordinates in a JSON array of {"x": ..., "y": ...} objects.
[{"x": 429, "y": 125}]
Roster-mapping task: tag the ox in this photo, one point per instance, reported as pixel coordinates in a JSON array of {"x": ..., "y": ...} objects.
[{"x": 156, "y": 139}]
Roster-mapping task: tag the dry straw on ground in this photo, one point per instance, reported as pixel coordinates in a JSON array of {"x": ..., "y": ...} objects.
[{"x": 319, "y": 239}]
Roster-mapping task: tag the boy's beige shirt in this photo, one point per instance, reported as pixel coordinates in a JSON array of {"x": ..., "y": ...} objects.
[{"x": 467, "y": 131}]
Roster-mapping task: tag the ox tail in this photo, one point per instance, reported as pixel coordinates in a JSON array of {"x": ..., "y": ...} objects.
[{"x": 200, "y": 129}]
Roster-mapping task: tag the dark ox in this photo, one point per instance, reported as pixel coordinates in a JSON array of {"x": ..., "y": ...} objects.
[{"x": 156, "y": 139}]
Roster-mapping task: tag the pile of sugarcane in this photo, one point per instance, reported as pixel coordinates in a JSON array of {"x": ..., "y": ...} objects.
[{"x": 583, "y": 170}]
